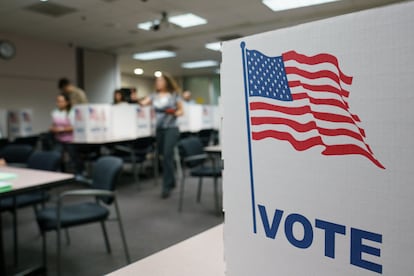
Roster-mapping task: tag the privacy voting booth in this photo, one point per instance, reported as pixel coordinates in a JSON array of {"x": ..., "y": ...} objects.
[{"x": 318, "y": 147}]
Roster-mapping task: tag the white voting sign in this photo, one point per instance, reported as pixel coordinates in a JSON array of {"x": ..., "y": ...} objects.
[{"x": 318, "y": 147}]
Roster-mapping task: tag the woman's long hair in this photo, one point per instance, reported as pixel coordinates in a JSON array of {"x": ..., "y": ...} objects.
[
  {"x": 172, "y": 85},
  {"x": 67, "y": 99}
]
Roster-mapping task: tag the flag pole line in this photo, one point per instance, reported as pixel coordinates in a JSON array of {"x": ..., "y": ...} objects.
[{"x": 245, "y": 76}]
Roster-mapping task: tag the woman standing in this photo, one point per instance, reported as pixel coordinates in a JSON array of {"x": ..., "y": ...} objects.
[
  {"x": 168, "y": 106},
  {"x": 62, "y": 119}
]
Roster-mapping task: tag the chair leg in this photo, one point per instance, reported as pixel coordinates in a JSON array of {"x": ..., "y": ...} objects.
[
  {"x": 15, "y": 235},
  {"x": 180, "y": 203},
  {"x": 58, "y": 245},
  {"x": 44, "y": 250},
  {"x": 216, "y": 197},
  {"x": 107, "y": 245},
  {"x": 67, "y": 236},
  {"x": 121, "y": 229},
  {"x": 200, "y": 186}
]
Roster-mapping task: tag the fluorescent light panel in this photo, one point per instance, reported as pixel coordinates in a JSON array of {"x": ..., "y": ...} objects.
[
  {"x": 280, "y": 5},
  {"x": 187, "y": 20},
  {"x": 145, "y": 25},
  {"x": 215, "y": 46},
  {"x": 154, "y": 55},
  {"x": 199, "y": 64}
]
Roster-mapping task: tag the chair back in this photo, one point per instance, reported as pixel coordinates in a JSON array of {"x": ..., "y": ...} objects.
[
  {"x": 105, "y": 174},
  {"x": 16, "y": 153},
  {"x": 191, "y": 147},
  {"x": 44, "y": 160}
]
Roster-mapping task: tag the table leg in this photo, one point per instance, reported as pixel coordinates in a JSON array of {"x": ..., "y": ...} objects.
[{"x": 2, "y": 255}]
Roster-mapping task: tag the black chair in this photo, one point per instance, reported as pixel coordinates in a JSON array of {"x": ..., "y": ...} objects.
[
  {"x": 135, "y": 152},
  {"x": 28, "y": 140},
  {"x": 193, "y": 157},
  {"x": 3, "y": 142},
  {"x": 104, "y": 177},
  {"x": 47, "y": 161},
  {"x": 16, "y": 154}
]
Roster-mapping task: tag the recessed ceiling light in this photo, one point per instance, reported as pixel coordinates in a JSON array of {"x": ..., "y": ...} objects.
[
  {"x": 138, "y": 71},
  {"x": 43, "y": 0},
  {"x": 187, "y": 20},
  {"x": 154, "y": 55},
  {"x": 199, "y": 64},
  {"x": 157, "y": 74},
  {"x": 215, "y": 46},
  {"x": 278, "y": 5}
]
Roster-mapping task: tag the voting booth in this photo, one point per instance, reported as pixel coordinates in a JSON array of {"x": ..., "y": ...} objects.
[
  {"x": 318, "y": 147},
  {"x": 197, "y": 117},
  {"x": 19, "y": 123},
  {"x": 92, "y": 122},
  {"x": 98, "y": 122}
]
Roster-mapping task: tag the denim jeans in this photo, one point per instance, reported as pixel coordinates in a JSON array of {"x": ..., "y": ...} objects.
[{"x": 167, "y": 138}]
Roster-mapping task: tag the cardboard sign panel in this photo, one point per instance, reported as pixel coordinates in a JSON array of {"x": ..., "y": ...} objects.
[
  {"x": 20, "y": 123},
  {"x": 318, "y": 147}
]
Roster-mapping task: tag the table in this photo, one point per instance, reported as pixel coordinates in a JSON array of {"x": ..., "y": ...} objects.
[
  {"x": 28, "y": 180},
  {"x": 127, "y": 141},
  {"x": 201, "y": 255}
]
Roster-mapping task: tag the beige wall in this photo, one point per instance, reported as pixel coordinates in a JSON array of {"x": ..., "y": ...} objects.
[
  {"x": 144, "y": 85},
  {"x": 29, "y": 80},
  {"x": 101, "y": 76}
]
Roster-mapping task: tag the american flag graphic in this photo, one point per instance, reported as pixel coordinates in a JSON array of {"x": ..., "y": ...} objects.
[
  {"x": 93, "y": 114},
  {"x": 303, "y": 100},
  {"x": 78, "y": 114}
]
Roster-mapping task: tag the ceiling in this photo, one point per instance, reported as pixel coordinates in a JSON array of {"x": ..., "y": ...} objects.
[{"x": 110, "y": 25}]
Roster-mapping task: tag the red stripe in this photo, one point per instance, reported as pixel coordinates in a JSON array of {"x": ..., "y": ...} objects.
[
  {"x": 287, "y": 110},
  {"x": 333, "y": 102},
  {"x": 298, "y": 145},
  {"x": 317, "y": 59},
  {"x": 319, "y": 88},
  {"x": 350, "y": 149},
  {"x": 299, "y": 127},
  {"x": 302, "y": 110},
  {"x": 314, "y": 75}
]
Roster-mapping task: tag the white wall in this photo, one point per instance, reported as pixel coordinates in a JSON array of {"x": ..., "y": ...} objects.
[
  {"x": 100, "y": 75},
  {"x": 29, "y": 80}
]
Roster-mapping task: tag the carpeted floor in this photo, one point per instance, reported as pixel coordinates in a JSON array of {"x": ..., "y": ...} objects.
[{"x": 151, "y": 224}]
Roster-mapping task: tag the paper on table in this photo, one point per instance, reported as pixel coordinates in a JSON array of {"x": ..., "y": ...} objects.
[
  {"x": 5, "y": 186},
  {"x": 7, "y": 176}
]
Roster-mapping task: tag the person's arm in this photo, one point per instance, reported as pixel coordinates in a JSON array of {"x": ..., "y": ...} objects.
[
  {"x": 180, "y": 109},
  {"x": 145, "y": 101}
]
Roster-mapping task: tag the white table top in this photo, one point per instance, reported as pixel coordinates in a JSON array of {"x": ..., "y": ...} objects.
[
  {"x": 28, "y": 178},
  {"x": 201, "y": 255},
  {"x": 108, "y": 140}
]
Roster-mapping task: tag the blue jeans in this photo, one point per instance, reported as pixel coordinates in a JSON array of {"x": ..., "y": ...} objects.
[{"x": 167, "y": 138}]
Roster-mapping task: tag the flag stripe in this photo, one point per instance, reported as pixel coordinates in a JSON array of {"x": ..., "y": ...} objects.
[
  {"x": 305, "y": 127},
  {"x": 320, "y": 58},
  {"x": 314, "y": 75},
  {"x": 302, "y": 110},
  {"x": 298, "y": 145},
  {"x": 319, "y": 88},
  {"x": 350, "y": 149},
  {"x": 331, "y": 102}
]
